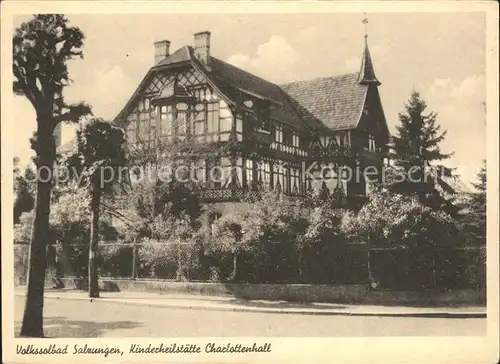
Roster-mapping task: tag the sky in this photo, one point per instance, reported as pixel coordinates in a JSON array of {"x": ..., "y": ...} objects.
[{"x": 440, "y": 55}]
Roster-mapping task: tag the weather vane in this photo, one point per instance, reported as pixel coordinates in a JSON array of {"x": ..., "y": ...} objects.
[{"x": 365, "y": 22}]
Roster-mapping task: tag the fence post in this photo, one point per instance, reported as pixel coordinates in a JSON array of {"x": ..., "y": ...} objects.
[
  {"x": 434, "y": 282},
  {"x": 368, "y": 263},
  {"x": 179, "y": 263},
  {"x": 134, "y": 260}
]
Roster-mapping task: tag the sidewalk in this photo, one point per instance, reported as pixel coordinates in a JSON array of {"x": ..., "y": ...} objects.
[{"x": 199, "y": 302}]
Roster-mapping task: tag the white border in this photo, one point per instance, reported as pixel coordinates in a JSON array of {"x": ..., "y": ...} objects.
[{"x": 373, "y": 350}]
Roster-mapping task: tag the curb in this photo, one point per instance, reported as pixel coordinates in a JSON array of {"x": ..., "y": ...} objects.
[{"x": 276, "y": 311}]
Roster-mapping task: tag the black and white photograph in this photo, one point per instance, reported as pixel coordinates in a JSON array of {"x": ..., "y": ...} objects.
[{"x": 214, "y": 182}]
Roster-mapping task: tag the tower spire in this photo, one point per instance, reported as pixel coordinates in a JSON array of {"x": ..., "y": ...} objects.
[{"x": 367, "y": 72}]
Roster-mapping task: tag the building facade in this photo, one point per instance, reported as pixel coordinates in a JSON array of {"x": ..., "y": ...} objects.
[{"x": 297, "y": 137}]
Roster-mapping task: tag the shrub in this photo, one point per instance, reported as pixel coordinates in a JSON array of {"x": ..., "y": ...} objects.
[{"x": 399, "y": 221}]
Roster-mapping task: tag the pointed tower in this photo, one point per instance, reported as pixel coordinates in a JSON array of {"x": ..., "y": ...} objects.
[{"x": 367, "y": 73}]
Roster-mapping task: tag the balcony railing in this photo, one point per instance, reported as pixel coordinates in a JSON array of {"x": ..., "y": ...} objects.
[{"x": 230, "y": 194}]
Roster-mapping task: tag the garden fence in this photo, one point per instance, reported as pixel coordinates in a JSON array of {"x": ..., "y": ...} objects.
[{"x": 381, "y": 268}]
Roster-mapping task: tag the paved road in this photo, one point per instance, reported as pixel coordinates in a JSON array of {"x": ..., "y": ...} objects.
[{"x": 72, "y": 318}]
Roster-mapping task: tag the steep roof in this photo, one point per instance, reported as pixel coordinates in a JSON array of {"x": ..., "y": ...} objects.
[
  {"x": 183, "y": 54},
  {"x": 232, "y": 77},
  {"x": 337, "y": 102},
  {"x": 367, "y": 72}
]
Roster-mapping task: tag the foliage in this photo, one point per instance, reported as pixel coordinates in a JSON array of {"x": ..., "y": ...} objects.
[
  {"x": 227, "y": 231},
  {"x": 273, "y": 217},
  {"x": 399, "y": 221},
  {"x": 22, "y": 229},
  {"x": 24, "y": 191},
  {"x": 172, "y": 198},
  {"x": 99, "y": 155},
  {"x": 41, "y": 49},
  {"x": 264, "y": 238},
  {"x": 69, "y": 220},
  {"x": 324, "y": 225},
  {"x": 70, "y": 217}
]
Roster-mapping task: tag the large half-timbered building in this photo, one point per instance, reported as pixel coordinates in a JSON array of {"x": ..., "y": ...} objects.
[{"x": 272, "y": 133}]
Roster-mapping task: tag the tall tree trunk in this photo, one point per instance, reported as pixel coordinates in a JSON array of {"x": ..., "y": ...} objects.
[
  {"x": 94, "y": 241},
  {"x": 32, "y": 325}
]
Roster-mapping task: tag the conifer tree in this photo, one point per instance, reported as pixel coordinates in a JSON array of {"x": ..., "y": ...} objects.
[
  {"x": 474, "y": 221},
  {"x": 416, "y": 151}
]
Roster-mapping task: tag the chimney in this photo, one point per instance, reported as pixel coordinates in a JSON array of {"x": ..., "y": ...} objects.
[
  {"x": 162, "y": 50},
  {"x": 202, "y": 47}
]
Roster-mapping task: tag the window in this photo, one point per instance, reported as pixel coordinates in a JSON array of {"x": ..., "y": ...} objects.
[
  {"x": 295, "y": 181},
  {"x": 303, "y": 143},
  {"x": 208, "y": 95},
  {"x": 182, "y": 118},
  {"x": 144, "y": 127},
  {"x": 226, "y": 117},
  {"x": 346, "y": 142},
  {"x": 131, "y": 127},
  {"x": 131, "y": 132},
  {"x": 278, "y": 134},
  {"x": 295, "y": 141},
  {"x": 226, "y": 171},
  {"x": 249, "y": 172},
  {"x": 279, "y": 176},
  {"x": 287, "y": 136},
  {"x": 199, "y": 119},
  {"x": 213, "y": 117},
  {"x": 239, "y": 124},
  {"x": 264, "y": 173},
  {"x": 213, "y": 170},
  {"x": 200, "y": 171},
  {"x": 166, "y": 118},
  {"x": 371, "y": 143},
  {"x": 264, "y": 124}
]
